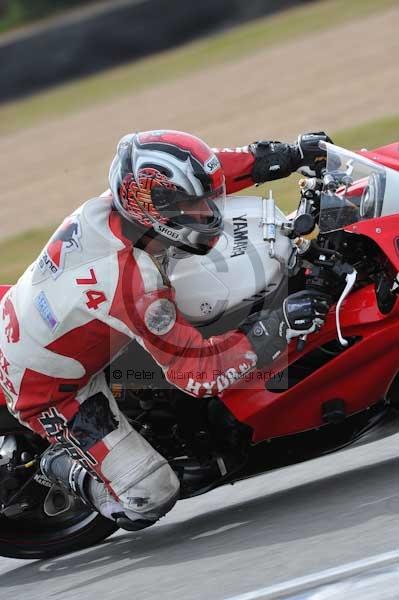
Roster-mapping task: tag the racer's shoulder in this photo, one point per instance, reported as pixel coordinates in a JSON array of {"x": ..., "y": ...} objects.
[
  {"x": 98, "y": 217},
  {"x": 95, "y": 210}
]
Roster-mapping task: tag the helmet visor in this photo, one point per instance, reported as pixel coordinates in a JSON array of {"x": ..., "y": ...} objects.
[{"x": 203, "y": 212}]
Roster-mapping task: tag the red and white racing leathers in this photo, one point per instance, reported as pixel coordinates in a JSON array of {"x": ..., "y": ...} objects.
[{"x": 88, "y": 294}]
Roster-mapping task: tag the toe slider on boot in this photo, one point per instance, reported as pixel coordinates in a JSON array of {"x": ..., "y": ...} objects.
[{"x": 128, "y": 525}]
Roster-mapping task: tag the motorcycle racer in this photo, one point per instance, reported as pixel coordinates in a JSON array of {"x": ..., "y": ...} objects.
[{"x": 101, "y": 282}]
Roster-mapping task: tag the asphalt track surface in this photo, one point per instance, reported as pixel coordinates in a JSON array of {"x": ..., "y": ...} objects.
[{"x": 260, "y": 532}]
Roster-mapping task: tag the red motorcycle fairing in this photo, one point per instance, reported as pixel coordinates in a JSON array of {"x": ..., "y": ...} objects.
[
  {"x": 386, "y": 155},
  {"x": 384, "y": 231},
  {"x": 360, "y": 376}
]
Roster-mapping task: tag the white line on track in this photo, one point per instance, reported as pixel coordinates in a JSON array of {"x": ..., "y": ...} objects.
[
  {"x": 216, "y": 531},
  {"x": 378, "y": 501},
  {"x": 321, "y": 578}
]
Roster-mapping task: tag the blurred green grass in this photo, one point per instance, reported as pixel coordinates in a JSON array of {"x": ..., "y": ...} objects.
[
  {"x": 135, "y": 76},
  {"x": 18, "y": 252}
]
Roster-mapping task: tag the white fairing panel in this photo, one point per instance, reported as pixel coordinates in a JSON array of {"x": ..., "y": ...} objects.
[
  {"x": 238, "y": 270},
  {"x": 391, "y": 200}
]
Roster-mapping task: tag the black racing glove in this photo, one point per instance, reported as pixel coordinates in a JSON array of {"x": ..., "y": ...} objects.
[
  {"x": 305, "y": 311},
  {"x": 274, "y": 160},
  {"x": 270, "y": 331},
  {"x": 312, "y": 158}
]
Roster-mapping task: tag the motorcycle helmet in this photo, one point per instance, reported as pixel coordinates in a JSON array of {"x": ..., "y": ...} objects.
[{"x": 170, "y": 185}]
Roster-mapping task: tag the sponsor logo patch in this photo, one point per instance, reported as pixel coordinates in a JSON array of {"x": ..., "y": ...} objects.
[
  {"x": 11, "y": 326},
  {"x": 42, "y": 480},
  {"x": 160, "y": 316},
  {"x": 240, "y": 235},
  {"x": 56, "y": 426},
  {"x": 212, "y": 164},
  {"x": 223, "y": 379},
  {"x": 5, "y": 382},
  {"x": 167, "y": 232},
  {"x": 45, "y": 311},
  {"x": 65, "y": 240}
]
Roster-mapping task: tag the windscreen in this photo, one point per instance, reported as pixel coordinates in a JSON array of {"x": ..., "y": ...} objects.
[{"x": 353, "y": 189}]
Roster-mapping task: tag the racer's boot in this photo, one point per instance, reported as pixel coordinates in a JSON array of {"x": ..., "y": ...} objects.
[{"x": 58, "y": 467}]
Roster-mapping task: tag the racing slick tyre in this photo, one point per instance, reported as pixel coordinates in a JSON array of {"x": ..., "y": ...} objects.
[
  {"x": 47, "y": 537},
  {"x": 35, "y": 520}
]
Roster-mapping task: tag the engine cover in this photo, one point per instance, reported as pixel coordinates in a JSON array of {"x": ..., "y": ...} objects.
[{"x": 237, "y": 271}]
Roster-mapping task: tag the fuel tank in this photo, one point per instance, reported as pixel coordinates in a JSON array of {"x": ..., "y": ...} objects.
[{"x": 237, "y": 271}]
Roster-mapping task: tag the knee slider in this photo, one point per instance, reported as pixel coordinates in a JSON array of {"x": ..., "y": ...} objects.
[
  {"x": 158, "y": 506},
  {"x": 152, "y": 497}
]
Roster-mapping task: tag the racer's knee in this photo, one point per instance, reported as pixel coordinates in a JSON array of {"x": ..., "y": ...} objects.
[
  {"x": 148, "y": 502},
  {"x": 142, "y": 504},
  {"x": 130, "y": 478},
  {"x": 153, "y": 493}
]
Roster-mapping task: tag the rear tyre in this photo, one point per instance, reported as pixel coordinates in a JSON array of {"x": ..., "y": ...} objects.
[
  {"x": 26, "y": 529},
  {"x": 52, "y": 536}
]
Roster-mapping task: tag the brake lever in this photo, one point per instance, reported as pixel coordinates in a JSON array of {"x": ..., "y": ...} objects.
[{"x": 350, "y": 282}]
